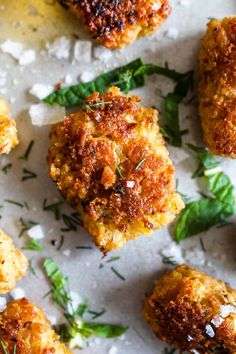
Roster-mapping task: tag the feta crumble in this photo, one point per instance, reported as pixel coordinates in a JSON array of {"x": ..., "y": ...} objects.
[
  {"x": 60, "y": 48},
  {"x": 12, "y": 48},
  {"x": 17, "y": 293},
  {"x": 27, "y": 57},
  {"x": 43, "y": 114},
  {"x": 113, "y": 350},
  {"x": 102, "y": 53},
  {"x": 130, "y": 184},
  {"x": 83, "y": 51},
  {"x": 66, "y": 253},
  {"x": 41, "y": 91},
  {"x": 226, "y": 310},
  {"x": 87, "y": 76},
  {"x": 36, "y": 232},
  {"x": 210, "y": 331}
]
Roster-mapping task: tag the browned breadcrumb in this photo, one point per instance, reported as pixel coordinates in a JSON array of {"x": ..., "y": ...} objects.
[
  {"x": 24, "y": 326},
  {"x": 118, "y": 23},
  {"x": 185, "y": 310},
  {"x": 8, "y": 133},
  {"x": 110, "y": 163},
  {"x": 217, "y": 87},
  {"x": 13, "y": 264}
]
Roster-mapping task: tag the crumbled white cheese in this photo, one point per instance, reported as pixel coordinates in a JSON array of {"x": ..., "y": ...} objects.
[
  {"x": 189, "y": 338},
  {"x": 172, "y": 33},
  {"x": 44, "y": 114},
  {"x": 83, "y": 51},
  {"x": 113, "y": 350},
  {"x": 17, "y": 293},
  {"x": 68, "y": 79},
  {"x": 36, "y": 232},
  {"x": 41, "y": 91},
  {"x": 15, "y": 49},
  {"x": 226, "y": 310},
  {"x": 60, "y": 48},
  {"x": 3, "y": 303},
  {"x": 27, "y": 57},
  {"x": 66, "y": 253},
  {"x": 130, "y": 184},
  {"x": 210, "y": 331},
  {"x": 217, "y": 320},
  {"x": 87, "y": 76},
  {"x": 102, "y": 53}
]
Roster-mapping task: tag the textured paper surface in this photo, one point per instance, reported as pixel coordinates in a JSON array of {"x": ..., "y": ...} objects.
[{"x": 140, "y": 261}]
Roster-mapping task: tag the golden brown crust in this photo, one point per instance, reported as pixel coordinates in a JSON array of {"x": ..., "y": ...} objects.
[
  {"x": 24, "y": 326},
  {"x": 217, "y": 87},
  {"x": 118, "y": 23},
  {"x": 8, "y": 133},
  {"x": 110, "y": 163},
  {"x": 182, "y": 306},
  {"x": 13, "y": 264}
]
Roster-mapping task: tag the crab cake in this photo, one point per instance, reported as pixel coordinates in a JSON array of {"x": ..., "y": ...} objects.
[
  {"x": 120, "y": 22},
  {"x": 8, "y": 133},
  {"x": 110, "y": 163},
  {"x": 217, "y": 87},
  {"x": 193, "y": 312},
  {"x": 13, "y": 264},
  {"x": 25, "y": 329}
]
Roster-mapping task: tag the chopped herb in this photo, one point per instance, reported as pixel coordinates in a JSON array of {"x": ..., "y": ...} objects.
[
  {"x": 200, "y": 215},
  {"x": 169, "y": 260},
  {"x": 95, "y": 314},
  {"x": 88, "y": 106},
  {"x": 54, "y": 208},
  {"x": 117, "y": 273},
  {"x": 202, "y": 245},
  {"x": 31, "y": 268},
  {"x": 61, "y": 243},
  {"x": 122, "y": 77},
  {"x": 84, "y": 247},
  {"x": 139, "y": 164},
  {"x": 14, "y": 203},
  {"x": 113, "y": 259},
  {"x": 28, "y": 151},
  {"x": 26, "y": 225},
  {"x": 71, "y": 222},
  {"x": 76, "y": 328},
  {"x": 7, "y": 168},
  {"x": 28, "y": 175},
  {"x": 119, "y": 171},
  {"x": 33, "y": 245}
]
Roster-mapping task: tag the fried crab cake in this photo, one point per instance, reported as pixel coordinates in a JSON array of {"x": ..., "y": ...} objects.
[
  {"x": 25, "y": 329},
  {"x": 193, "y": 312},
  {"x": 120, "y": 22},
  {"x": 217, "y": 87},
  {"x": 13, "y": 264},
  {"x": 8, "y": 133},
  {"x": 110, "y": 163}
]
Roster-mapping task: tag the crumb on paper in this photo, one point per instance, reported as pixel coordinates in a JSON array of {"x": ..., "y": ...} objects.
[
  {"x": 41, "y": 91},
  {"x": 43, "y": 114}
]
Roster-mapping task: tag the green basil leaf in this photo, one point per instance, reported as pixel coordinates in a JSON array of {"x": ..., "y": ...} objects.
[
  {"x": 200, "y": 216},
  {"x": 105, "y": 330},
  {"x": 122, "y": 77}
]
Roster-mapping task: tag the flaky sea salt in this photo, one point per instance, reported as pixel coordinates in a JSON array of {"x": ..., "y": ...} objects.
[
  {"x": 210, "y": 331},
  {"x": 43, "y": 114},
  {"x": 217, "y": 320},
  {"x": 82, "y": 51},
  {"x": 226, "y": 310},
  {"x": 130, "y": 184},
  {"x": 60, "y": 48},
  {"x": 17, "y": 293},
  {"x": 41, "y": 91}
]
